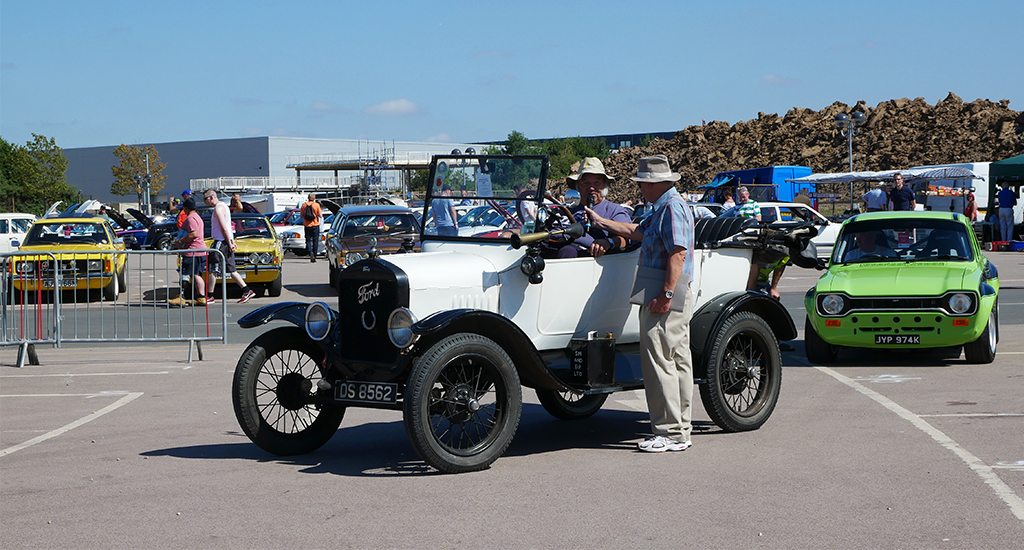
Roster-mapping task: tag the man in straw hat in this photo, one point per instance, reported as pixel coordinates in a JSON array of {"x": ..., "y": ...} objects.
[
  {"x": 592, "y": 183},
  {"x": 662, "y": 287}
]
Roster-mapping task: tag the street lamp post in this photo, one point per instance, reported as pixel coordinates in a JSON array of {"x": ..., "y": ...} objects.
[
  {"x": 849, "y": 126},
  {"x": 147, "y": 179}
]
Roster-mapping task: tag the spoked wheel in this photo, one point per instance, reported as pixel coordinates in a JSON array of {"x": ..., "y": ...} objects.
[
  {"x": 462, "y": 403},
  {"x": 571, "y": 406},
  {"x": 744, "y": 374},
  {"x": 273, "y": 392}
]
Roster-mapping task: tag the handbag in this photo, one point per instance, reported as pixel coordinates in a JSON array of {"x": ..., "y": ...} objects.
[{"x": 650, "y": 283}]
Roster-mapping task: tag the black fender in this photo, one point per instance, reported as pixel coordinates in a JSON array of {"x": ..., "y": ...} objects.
[
  {"x": 708, "y": 320},
  {"x": 293, "y": 312},
  {"x": 533, "y": 372}
]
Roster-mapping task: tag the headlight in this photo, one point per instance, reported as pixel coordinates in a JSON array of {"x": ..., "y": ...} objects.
[
  {"x": 26, "y": 268},
  {"x": 95, "y": 265},
  {"x": 254, "y": 258},
  {"x": 291, "y": 235},
  {"x": 352, "y": 257},
  {"x": 959, "y": 303},
  {"x": 832, "y": 304},
  {"x": 318, "y": 320},
  {"x": 400, "y": 328},
  {"x": 265, "y": 258}
]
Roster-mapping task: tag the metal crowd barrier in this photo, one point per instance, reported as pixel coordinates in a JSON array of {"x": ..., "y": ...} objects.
[{"x": 98, "y": 302}]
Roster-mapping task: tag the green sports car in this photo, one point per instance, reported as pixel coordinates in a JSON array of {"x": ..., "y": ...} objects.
[{"x": 905, "y": 280}]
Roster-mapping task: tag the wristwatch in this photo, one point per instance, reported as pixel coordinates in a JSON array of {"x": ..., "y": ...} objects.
[{"x": 669, "y": 294}]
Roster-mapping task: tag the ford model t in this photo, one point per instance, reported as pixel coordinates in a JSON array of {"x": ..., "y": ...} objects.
[{"x": 450, "y": 335}]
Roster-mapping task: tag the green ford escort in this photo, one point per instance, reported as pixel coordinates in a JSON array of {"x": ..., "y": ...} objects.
[{"x": 905, "y": 280}]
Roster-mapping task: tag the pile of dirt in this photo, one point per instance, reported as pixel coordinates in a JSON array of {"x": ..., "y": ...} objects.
[{"x": 898, "y": 133}]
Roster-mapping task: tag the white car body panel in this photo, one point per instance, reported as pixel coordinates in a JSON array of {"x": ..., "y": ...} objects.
[
  {"x": 10, "y": 232},
  {"x": 576, "y": 296}
]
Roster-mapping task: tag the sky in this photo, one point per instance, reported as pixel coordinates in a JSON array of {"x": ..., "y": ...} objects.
[{"x": 102, "y": 73}]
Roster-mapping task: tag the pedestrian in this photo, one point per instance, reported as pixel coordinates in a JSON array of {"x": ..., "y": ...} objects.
[
  {"x": 747, "y": 208},
  {"x": 662, "y": 287},
  {"x": 876, "y": 199},
  {"x": 1007, "y": 200},
  {"x": 804, "y": 197},
  {"x": 236, "y": 204},
  {"x": 728, "y": 202},
  {"x": 445, "y": 219},
  {"x": 901, "y": 197},
  {"x": 312, "y": 216},
  {"x": 971, "y": 208},
  {"x": 224, "y": 241},
  {"x": 193, "y": 264}
]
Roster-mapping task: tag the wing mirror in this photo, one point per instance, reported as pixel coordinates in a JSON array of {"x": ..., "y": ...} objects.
[{"x": 572, "y": 198}]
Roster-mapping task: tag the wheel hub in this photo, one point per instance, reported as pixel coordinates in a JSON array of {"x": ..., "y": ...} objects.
[
  {"x": 293, "y": 391},
  {"x": 735, "y": 374},
  {"x": 462, "y": 403}
]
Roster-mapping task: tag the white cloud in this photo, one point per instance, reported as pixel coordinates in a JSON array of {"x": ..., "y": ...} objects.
[
  {"x": 772, "y": 79},
  {"x": 394, "y": 107},
  {"x": 439, "y": 138},
  {"x": 324, "y": 107}
]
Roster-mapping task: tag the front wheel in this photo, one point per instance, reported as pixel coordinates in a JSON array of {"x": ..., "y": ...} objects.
[
  {"x": 274, "y": 390},
  {"x": 818, "y": 351},
  {"x": 462, "y": 403},
  {"x": 744, "y": 374},
  {"x": 275, "y": 286},
  {"x": 983, "y": 350},
  {"x": 111, "y": 291},
  {"x": 571, "y": 406},
  {"x": 164, "y": 242}
]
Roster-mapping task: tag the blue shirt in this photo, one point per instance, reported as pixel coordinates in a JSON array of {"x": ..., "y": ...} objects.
[
  {"x": 1007, "y": 198},
  {"x": 669, "y": 225},
  {"x": 442, "y": 212},
  {"x": 901, "y": 198}
]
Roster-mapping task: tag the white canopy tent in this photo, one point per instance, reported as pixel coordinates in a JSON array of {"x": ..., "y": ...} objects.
[{"x": 911, "y": 176}]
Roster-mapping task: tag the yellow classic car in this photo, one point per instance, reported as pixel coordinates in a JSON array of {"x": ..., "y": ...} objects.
[
  {"x": 85, "y": 249},
  {"x": 258, "y": 252}
]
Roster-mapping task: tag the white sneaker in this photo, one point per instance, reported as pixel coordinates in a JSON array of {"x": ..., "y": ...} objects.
[{"x": 660, "y": 444}]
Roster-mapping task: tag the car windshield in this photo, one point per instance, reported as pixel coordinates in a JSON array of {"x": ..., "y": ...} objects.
[
  {"x": 903, "y": 239},
  {"x": 67, "y": 233},
  {"x": 503, "y": 191},
  {"x": 20, "y": 225},
  {"x": 248, "y": 228},
  {"x": 379, "y": 224}
]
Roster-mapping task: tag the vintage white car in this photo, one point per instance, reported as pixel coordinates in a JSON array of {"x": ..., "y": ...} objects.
[
  {"x": 450, "y": 335},
  {"x": 773, "y": 212}
]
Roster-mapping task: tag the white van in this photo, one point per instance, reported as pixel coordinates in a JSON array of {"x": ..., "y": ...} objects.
[{"x": 12, "y": 230}]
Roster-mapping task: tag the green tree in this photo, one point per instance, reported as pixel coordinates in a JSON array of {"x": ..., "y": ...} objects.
[
  {"x": 133, "y": 163},
  {"x": 517, "y": 144},
  {"x": 33, "y": 176},
  {"x": 565, "y": 152}
]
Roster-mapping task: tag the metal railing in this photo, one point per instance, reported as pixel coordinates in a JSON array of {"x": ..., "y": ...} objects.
[{"x": 125, "y": 296}]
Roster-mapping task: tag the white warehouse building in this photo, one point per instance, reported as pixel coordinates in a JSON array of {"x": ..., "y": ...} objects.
[{"x": 256, "y": 161}]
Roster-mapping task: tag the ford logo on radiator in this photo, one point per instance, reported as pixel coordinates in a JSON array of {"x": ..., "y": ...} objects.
[{"x": 367, "y": 291}]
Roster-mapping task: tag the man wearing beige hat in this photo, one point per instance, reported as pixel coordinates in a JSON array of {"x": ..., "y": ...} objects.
[
  {"x": 662, "y": 288},
  {"x": 592, "y": 183}
]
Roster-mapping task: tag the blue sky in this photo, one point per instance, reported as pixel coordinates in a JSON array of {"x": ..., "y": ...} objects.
[{"x": 105, "y": 72}]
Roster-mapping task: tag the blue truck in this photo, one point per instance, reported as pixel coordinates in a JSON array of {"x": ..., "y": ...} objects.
[{"x": 765, "y": 184}]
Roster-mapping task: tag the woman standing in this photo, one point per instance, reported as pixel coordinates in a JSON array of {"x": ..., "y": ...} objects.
[{"x": 971, "y": 208}]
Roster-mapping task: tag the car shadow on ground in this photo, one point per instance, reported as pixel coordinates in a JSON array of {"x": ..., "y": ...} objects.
[
  {"x": 383, "y": 448},
  {"x": 889, "y": 358},
  {"x": 314, "y": 290}
]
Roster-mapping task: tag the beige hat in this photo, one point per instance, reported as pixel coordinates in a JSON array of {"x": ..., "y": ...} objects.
[
  {"x": 655, "y": 170},
  {"x": 590, "y": 165}
]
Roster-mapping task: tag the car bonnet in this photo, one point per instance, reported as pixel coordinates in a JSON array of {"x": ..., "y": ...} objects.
[{"x": 899, "y": 278}]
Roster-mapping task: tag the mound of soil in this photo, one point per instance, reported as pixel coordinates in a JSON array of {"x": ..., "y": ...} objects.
[{"x": 899, "y": 133}]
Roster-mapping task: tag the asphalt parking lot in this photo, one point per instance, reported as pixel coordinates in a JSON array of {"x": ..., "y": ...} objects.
[{"x": 135, "y": 447}]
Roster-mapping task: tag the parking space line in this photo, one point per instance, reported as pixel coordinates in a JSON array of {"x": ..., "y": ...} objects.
[
  {"x": 968, "y": 415},
  {"x": 84, "y": 420},
  {"x": 984, "y": 471}
]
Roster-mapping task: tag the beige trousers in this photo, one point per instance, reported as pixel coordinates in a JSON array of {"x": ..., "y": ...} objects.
[{"x": 668, "y": 369}]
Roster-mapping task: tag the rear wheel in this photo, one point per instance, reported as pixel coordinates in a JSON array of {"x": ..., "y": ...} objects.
[
  {"x": 274, "y": 390},
  {"x": 571, "y": 406},
  {"x": 744, "y": 374},
  {"x": 164, "y": 242},
  {"x": 112, "y": 289},
  {"x": 462, "y": 403},
  {"x": 818, "y": 351},
  {"x": 983, "y": 350}
]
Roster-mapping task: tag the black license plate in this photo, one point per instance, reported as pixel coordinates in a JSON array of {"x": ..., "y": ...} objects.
[
  {"x": 366, "y": 392},
  {"x": 64, "y": 283},
  {"x": 898, "y": 339}
]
